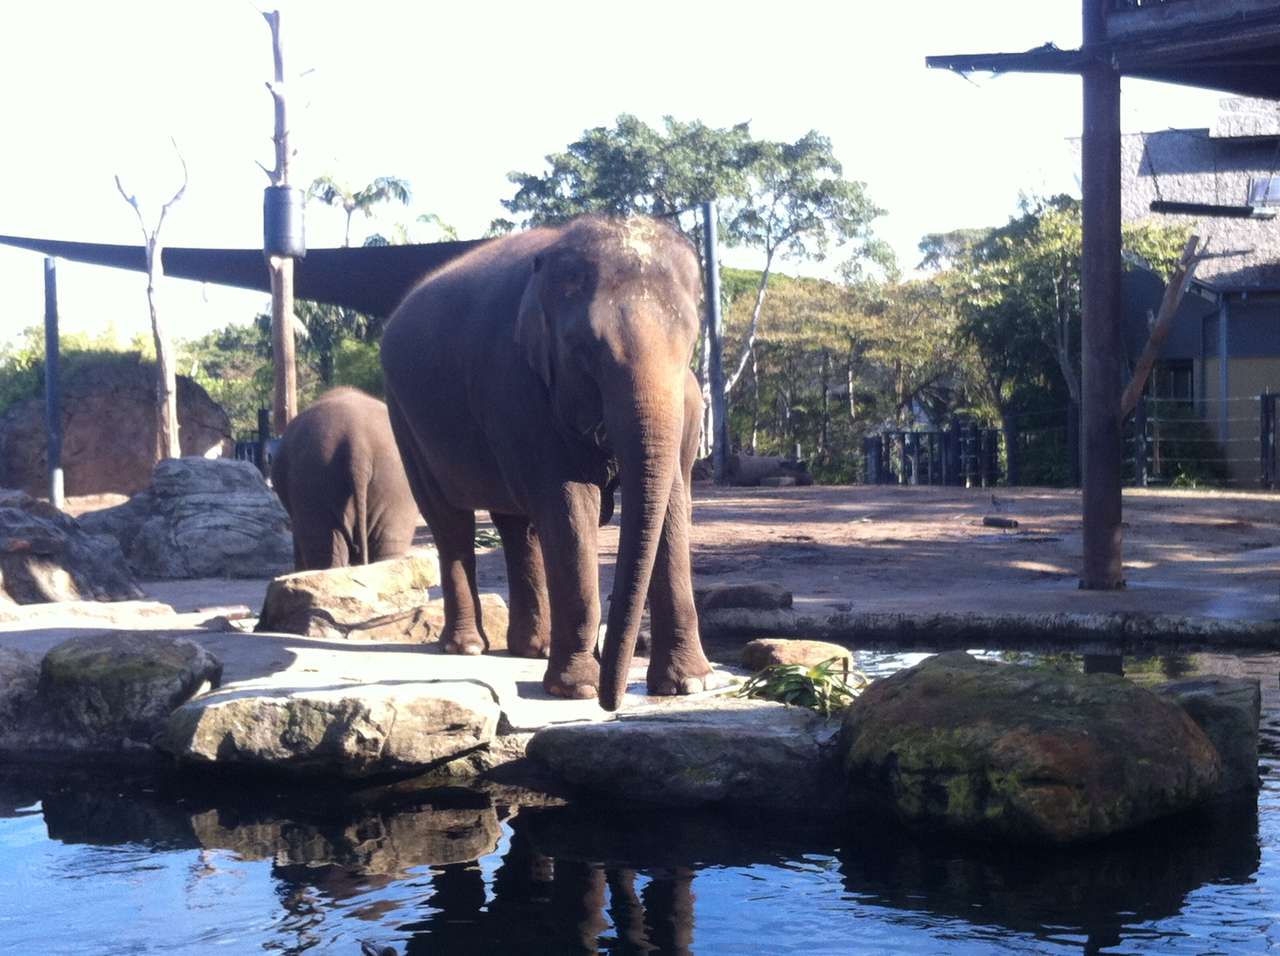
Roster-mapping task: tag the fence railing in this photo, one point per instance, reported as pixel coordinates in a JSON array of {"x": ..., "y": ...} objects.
[
  {"x": 257, "y": 447},
  {"x": 1166, "y": 442}
]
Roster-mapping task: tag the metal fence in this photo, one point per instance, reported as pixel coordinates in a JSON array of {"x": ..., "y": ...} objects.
[{"x": 1166, "y": 442}]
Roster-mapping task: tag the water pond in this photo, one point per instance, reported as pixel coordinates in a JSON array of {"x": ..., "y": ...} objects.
[{"x": 96, "y": 863}]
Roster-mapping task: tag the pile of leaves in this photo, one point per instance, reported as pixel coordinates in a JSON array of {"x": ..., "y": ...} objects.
[{"x": 825, "y": 687}]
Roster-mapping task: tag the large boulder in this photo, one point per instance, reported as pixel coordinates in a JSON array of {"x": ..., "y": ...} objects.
[
  {"x": 108, "y": 429},
  {"x": 1228, "y": 710},
  {"x": 769, "y": 652},
  {"x": 360, "y": 730},
  {"x": 743, "y": 753},
  {"x": 383, "y": 601},
  {"x": 1022, "y": 754},
  {"x": 46, "y": 555},
  {"x": 106, "y": 690},
  {"x": 19, "y": 674},
  {"x": 200, "y": 518}
]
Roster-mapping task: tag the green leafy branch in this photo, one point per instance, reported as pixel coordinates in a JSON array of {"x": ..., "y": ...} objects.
[{"x": 827, "y": 686}]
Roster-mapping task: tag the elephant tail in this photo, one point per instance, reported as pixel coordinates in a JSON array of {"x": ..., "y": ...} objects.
[{"x": 361, "y": 529}]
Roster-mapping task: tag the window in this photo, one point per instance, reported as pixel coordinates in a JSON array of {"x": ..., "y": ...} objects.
[
  {"x": 1172, "y": 381},
  {"x": 1264, "y": 191}
]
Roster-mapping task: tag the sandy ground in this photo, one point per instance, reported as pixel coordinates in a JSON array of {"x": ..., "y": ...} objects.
[{"x": 1194, "y": 553}]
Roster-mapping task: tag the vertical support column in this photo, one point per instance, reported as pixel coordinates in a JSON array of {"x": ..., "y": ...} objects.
[
  {"x": 1224, "y": 378},
  {"x": 1140, "y": 443},
  {"x": 52, "y": 396},
  {"x": 1267, "y": 439},
  {"x": 715, "y": 333},
  {"x": 1102, "y": 347}
]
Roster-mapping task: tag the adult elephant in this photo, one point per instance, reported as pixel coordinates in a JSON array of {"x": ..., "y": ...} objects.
[
  {"x": 526, "y": 378},
  {"x": 338, "y": 474}
]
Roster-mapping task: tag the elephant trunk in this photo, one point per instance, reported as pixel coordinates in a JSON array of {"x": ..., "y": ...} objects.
[{"x": 645, "y": 431}]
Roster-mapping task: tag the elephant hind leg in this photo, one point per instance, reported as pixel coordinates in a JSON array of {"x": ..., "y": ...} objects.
[
  {"x": 453, "y": 530},
  {"x": 529, "y": 627},
  {"x": 318, "y": 547}
]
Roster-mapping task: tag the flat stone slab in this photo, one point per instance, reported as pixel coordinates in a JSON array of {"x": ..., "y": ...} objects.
[
  {"x": 715, "y": 749},
  {"x": 360, "y": 730}
]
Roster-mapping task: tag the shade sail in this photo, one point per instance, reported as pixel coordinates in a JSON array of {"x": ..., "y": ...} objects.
[{"x": 369, "y": 279}]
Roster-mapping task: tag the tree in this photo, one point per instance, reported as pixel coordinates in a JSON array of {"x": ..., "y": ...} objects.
[
  {"x": 633, "y": 168},
  {"x": 1017, "y": 289},
  {"x": 789, "y": 200},
  {"x": 797, "y": 203},
  {"x": 167, "y": 443},
  {"x": 383, "y": 189}
]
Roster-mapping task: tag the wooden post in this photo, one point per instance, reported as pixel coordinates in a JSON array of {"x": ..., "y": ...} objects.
[
  {"x": 52, "y": 398},
  {"x": 1102, "y": 347},
  {"x": 715, "y": 333},
  {"x": 285, "y": 399}
]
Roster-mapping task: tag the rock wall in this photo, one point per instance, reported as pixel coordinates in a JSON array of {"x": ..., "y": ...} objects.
[{"x": 108, "y": 430}]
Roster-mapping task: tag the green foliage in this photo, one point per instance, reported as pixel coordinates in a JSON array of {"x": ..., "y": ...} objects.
[
  {"x": 824, "y": 687},
  {"x": 357, "y": 364},
  {"x": 233, "y": 365},
  {"x": 334, "y": 193},
  {"x": 487, "y": 538},
  {"x": 22, "y": 360}
]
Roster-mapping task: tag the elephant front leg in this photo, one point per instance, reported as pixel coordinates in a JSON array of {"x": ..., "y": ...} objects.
[
  {"x": 529, "y": 623},
  {"x": 677, "y": 664},
  {"x": 567, "y": 532}
]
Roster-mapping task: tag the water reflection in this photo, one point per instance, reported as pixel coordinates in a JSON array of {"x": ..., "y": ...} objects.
[{"x": 467, "y": 871}]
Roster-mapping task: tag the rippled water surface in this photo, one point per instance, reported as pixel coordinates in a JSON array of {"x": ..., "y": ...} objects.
[{"x": 121, "y": 865}]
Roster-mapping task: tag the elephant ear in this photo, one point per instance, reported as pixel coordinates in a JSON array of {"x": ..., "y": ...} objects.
[{"x": 532, "y": 332}]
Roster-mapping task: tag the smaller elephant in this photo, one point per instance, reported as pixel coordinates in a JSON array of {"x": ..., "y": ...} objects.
[{"x": 339, "y": 475}]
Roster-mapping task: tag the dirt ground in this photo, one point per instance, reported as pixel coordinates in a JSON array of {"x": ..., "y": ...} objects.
[{"x": 876, "y": 548}]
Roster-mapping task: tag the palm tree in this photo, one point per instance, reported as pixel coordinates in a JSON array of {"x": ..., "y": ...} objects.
[{"x": 383, "y": 189}]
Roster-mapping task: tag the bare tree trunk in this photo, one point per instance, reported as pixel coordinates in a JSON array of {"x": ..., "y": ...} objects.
[
  {"x": 1174, "y": 292},
  {"x": 853, "y": 408},
  {"x": 167, "y": 439},
  {"x": 285, "y": 404},
  {"x": 1062, "y": 343},
  {"x": 824, "y": 434},
  {"x": 732, "y": 380},
  {"x": 755, "y": 400},
  {"x": 168, "y": 444}
]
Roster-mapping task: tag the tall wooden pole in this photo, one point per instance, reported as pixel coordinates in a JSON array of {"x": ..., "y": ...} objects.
[
  {"x": 715, "y": 335},
  {"x": 285, "y": 401},
  {"x": 52, "y": 396},
  {"x": 1102, "y": 347}
]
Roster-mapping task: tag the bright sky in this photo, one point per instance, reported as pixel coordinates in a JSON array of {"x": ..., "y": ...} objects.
[{"x": 452, "y": 97}]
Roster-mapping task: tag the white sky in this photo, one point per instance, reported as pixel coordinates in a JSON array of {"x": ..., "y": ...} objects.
[{"x": 454, "y": 96}]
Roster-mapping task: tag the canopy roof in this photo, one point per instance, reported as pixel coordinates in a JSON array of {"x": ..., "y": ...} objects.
[
  {"x": 369, "y": 279},
  {"x": 1239, "y": 53}
]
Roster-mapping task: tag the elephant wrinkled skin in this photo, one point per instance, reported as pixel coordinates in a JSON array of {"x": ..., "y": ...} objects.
[
  {"x": 338, "y": 474},
  {"x": 529, "y": 378}
]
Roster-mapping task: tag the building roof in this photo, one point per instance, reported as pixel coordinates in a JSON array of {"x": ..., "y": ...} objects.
[
  {"x": 369, "y": 279},
  {"x": 1238, "y": 52}
]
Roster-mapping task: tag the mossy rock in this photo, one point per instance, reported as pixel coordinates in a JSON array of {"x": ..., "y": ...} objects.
[
  {"x": 1015, "y": 753},
  {"x": 121, "y": 686}
]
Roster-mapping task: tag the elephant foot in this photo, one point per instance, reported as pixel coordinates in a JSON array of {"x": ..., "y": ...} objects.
[
  {"x": 529, "y": 647},
  {"x": 463, "y": 641},
  {"x": 673, "y": 680},
  {"x": 576, "y": 680}
]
